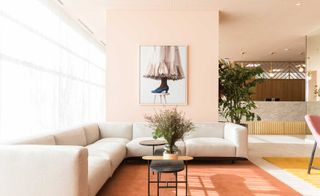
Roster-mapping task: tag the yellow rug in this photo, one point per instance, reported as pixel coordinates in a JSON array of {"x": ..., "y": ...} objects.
[{"x": 298, "y": 167}]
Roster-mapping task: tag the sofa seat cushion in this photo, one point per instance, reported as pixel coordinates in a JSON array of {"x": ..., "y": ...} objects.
[
  {"x": 135, "y": 149},
  {"x": 99, "y": 170},
  {"x": 115, "y": 152},
  {"x": 123, "y": 141},
  {"x": 210, "y": 147}
]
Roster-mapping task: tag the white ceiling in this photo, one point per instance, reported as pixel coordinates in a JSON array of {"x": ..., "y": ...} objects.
[{"x": 249, "y": 29}]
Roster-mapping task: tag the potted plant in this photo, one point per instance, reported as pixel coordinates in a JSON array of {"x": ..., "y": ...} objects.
[
  {"x": 172, "y": 126},
  {"x": 236, "y": 85}
]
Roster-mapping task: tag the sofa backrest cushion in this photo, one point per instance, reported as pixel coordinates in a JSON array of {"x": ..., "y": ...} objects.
[
  {"x": 141, "y": 130},
  {"x": 92, "y": 132},
  {"x": 42, "y": 140},
  {"x": 75, "y": 137},
  {"x": 207, "y": 130},
  {"x": 116, "y": 129}
]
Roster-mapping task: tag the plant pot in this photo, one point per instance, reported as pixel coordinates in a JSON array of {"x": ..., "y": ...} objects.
[{"x": 170, "y": 156}]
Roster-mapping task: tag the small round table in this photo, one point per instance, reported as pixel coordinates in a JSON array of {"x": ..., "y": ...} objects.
[
  {"x": 160, "y": 165},
  {"x": 153, "y": 143}
]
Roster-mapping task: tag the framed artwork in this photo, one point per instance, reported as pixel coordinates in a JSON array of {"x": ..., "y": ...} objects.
[{"x": 163, "y": 75}]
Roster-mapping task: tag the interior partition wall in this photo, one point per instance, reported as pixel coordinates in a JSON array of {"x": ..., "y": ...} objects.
[{"x": 52, "y": 72}]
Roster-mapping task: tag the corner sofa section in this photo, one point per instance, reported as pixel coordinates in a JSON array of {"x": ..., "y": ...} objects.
[{"x": 77, "y": 162}]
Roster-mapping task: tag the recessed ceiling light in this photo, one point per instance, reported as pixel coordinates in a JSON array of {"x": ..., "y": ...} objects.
[
  {"x": 286, "y": 49},
  {"x": 299, "y": 4}
]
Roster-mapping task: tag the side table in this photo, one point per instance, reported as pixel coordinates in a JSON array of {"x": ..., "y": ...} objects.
[
  {"x": 160, "y": 165},
  {"x": 153, "y": 143}
]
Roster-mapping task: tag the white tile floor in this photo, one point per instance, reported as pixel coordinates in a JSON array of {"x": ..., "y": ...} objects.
[{"x": 283, "y": 146}]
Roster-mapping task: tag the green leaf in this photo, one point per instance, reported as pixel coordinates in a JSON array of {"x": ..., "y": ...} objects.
[{"x": 236, "y": 85}]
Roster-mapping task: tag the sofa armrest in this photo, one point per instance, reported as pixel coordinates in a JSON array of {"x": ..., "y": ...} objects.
[
  {"x": 34, "y": 170},
  {"x": 238, "y": 135}
]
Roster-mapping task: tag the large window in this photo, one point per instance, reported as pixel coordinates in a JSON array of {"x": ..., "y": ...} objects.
[{"x": 52, "y": 74}]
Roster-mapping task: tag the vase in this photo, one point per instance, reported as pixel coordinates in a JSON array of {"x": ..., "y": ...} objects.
[{"x": 170, "y": 156}]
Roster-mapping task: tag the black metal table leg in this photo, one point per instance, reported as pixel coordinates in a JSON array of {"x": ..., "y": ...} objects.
[
  {"x": 176, "y": 174},
  {"x": 312, "y": 157},
  {"x": 186, "y": 163},
  {"x": 158, "y": 181},
  {"x": 152, "y": 155},
  {"x": 148, "y": 177}
]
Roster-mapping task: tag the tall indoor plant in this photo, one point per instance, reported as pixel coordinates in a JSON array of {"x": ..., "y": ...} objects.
[
  {"x": 236, "y": 86},
  {"x": 172, "y": 126}
]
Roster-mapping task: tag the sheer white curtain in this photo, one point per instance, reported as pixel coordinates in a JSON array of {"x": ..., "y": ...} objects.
[{"x": 52, "y": 75}]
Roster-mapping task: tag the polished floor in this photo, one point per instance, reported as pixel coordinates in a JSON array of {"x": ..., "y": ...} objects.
[{"x": 282, "y": 146}]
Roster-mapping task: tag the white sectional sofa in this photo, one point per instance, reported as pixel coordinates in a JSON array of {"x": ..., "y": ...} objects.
[{"x": 79, "y": 161}]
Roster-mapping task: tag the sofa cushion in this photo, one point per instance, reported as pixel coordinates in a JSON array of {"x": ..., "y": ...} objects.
[
  {"x": 123, "y": 141},
  {"x": 134, "y": 149},
  {"x": 92, "y": 133},
  {"x": 99, "y": 170},
  {"x": 210, "y": 147},
  {"x": 207, "y": 130},
  {"x": 181, "y": 146},
  {"x": 43, "y": 140},
  {"x": 117, "y": 130},
  {"x": 140, "y": 130},
  {"x": 113, "y": 151},
  {"x": 74, "y": 137},
  {"x": 42, "y": 170}
]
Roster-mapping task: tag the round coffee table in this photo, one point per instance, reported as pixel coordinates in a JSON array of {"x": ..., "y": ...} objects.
[
  {"x": 167, "y": 166},
  {"x": 153, "y": 143},
  {"x": 160, "y": 165}
]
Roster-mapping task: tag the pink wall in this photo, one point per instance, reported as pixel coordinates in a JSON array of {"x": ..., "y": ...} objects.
[{"x": 127, "y": 30}]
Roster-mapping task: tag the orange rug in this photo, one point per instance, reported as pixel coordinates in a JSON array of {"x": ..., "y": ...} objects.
[{"x": 205, "y": 179}]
